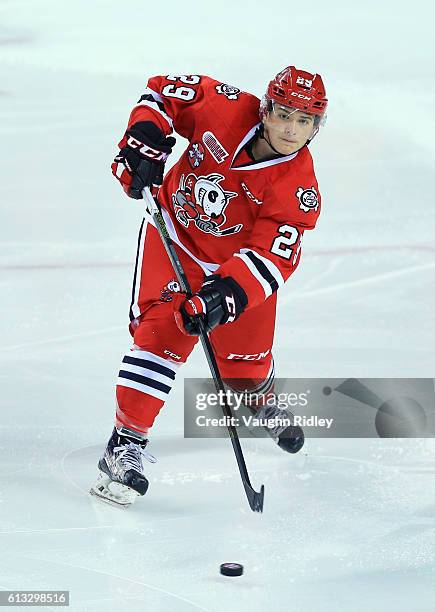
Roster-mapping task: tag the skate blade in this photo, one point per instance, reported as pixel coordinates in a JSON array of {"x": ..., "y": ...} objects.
[{"x": 113, "y": 493}]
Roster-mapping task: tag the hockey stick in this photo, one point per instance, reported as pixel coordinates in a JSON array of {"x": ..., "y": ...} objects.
[{"x": 255, "y": 498}]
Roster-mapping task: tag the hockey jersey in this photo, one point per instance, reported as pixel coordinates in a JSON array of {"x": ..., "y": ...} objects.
[{"x": 237, "y": 217}]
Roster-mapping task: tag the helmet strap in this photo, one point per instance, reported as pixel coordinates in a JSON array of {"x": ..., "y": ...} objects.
[
  {"x": 312, "y": 137},
  {"x": 262, "y": 135}
]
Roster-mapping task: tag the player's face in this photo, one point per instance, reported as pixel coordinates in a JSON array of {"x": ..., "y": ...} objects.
[{"x": 288, "y": 129}]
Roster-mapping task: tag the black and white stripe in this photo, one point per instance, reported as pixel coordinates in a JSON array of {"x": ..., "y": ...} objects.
[
  {"x": 263, "y": 269},
  {"x": 155, "y": 101},
  {"x": 266, "y": 385},
  {"x": 148, "y": 373}
]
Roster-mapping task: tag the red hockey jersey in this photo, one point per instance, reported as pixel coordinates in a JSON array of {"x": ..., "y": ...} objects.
[{"x": 235, "y": 216}]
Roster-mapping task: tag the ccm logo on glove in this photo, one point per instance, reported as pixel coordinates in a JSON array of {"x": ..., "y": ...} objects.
[
  {"x": 219, "y": 301},
  {"x": 145, "y": 150},
  {"x": 141, "y": 159}
]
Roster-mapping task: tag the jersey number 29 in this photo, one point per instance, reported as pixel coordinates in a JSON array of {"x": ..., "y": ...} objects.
[{"x": 181, "y": 92}]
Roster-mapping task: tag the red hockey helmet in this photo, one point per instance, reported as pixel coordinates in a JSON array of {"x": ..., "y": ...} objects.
[{"x": 298, "y": 89}]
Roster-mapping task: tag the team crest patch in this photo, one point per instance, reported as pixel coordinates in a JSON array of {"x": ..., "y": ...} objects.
[
  {"x": 201, "y": 201},
  {"x": 232, "y": 93},
  {"x": 196, "y": 154},
  {"x": 308, "y": 199}
]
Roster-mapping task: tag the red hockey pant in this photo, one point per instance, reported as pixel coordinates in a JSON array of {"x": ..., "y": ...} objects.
[{"x": 243, "y": 349}]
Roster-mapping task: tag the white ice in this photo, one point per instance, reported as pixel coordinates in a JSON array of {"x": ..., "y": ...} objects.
[{"x": 348, "y": 524}]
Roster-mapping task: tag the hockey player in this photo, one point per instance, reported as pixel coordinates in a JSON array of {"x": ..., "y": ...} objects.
[{"x": 237, "y": 204}]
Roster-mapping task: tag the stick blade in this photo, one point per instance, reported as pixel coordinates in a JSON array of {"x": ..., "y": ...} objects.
[{"x": 255, "y": 498}]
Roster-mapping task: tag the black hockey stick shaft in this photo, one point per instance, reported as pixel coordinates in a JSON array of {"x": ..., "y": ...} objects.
[{"x": 255, "y": 498}]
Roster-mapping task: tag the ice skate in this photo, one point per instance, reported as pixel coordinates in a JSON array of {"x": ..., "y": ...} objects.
[
  {"x": 288, "y": 436},
  {"x": 122, "y": 477}
]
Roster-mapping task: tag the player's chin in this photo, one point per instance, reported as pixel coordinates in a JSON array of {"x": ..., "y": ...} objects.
[{"x": 287, "y": 148}]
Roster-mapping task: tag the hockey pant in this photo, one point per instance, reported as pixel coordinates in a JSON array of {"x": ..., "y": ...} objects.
[{"x": 243, "y": 349}]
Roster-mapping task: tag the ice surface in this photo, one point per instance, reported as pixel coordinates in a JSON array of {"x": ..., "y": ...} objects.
[{"x": 348, "y": 525}]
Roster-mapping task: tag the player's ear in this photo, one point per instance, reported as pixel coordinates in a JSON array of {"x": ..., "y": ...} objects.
[
  {"x": 265, "y": 117},
  {"x": 264, "y": 110}
]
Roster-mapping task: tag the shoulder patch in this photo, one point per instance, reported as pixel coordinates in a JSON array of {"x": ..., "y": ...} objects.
[
  {"x": 232, "y": 93},
  {"x": 308, "y": 198}
]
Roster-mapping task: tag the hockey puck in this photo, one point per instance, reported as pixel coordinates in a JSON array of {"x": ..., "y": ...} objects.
[{"x": 231, "y": 569}]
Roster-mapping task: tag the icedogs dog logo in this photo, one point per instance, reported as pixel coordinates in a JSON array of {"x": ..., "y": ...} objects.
[{"x": 202, "y": 201}]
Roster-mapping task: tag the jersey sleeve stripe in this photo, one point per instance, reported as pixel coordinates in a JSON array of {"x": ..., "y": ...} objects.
[
  {"x": 255, "y": 273},
  {"x": 154, "y": 100},
  {"x": 155, "y": 95},
  {"x": 263, "y": 269},
  {"x": 273, "y": 269}
]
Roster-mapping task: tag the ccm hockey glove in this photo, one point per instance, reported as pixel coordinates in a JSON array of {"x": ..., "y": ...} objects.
[
  {"x": 141, "y": 159},
  {"x": 219, "y": 301}
]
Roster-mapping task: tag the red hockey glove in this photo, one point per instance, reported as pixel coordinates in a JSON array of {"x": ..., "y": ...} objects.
[
  {"x": 219, "y": 301},
  {"x": 141, "y": 160}
]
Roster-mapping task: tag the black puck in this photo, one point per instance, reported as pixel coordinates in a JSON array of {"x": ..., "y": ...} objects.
[{"x": 231, "y": 569}]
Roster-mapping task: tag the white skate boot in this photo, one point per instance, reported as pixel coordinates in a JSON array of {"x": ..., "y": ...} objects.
[{"x": 122, "y": 477}]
